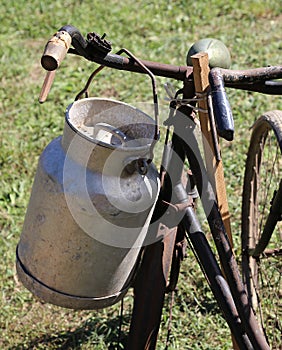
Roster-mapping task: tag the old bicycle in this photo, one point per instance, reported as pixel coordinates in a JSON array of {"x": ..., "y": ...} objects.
[{"x": 173, "y": 218}]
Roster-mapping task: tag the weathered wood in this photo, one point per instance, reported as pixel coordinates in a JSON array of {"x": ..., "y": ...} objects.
[{"x": 214, "y": 167}]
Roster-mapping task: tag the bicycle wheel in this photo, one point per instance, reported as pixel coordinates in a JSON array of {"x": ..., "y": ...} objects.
[{"x": 261, "y": 229}]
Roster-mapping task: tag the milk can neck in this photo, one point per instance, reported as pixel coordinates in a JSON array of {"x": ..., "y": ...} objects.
[
  {"x": 100, "y": 157},
  {"x": 106, "y": 135}
]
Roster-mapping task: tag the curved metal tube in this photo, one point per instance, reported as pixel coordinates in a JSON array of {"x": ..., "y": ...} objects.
[{"x": 257, "y": 79}]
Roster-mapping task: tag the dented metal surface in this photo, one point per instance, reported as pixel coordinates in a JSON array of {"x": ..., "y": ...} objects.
[{"x": 88, "y": 216}]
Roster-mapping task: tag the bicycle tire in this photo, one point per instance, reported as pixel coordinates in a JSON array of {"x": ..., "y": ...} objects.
[{"x": 261, "y": 266}]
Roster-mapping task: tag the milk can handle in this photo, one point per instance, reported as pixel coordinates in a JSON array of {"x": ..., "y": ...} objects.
[
  {"x": 112, "y": 130},
  {"x": 154, "y": 88},
  {"x": 132, "y": 163}
]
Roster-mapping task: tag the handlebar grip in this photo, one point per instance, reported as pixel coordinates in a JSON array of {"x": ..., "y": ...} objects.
[
  {"x": 221, "y": 107},
  {"x": 223, "y": 115},
  {"x": 56, "y": 50}
]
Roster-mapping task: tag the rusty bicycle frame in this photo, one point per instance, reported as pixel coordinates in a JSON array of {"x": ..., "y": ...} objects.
[{"x": 160, "y": 261}]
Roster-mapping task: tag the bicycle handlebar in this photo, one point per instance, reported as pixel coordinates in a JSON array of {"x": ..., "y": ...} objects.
[{"x": 97, "y": 49}]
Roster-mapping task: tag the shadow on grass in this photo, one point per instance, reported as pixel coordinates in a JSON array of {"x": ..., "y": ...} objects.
[{"x": 94, "y": 331}]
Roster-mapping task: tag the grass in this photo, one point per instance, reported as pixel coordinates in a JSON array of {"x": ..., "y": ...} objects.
[{"x": 161, "y": 31}]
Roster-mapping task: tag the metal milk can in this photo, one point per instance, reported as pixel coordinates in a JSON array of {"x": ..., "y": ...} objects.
[{"x": 90, "y": 208}]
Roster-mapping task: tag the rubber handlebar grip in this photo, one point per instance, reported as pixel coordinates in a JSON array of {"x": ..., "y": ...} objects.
[
  {"x": 223, "y": 115},
  {"x": 221, "y": 107},
  {"x": 56, "y": 50}
]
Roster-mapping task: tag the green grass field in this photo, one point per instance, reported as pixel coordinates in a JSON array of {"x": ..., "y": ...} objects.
[{"x": 159, "y": 31}]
